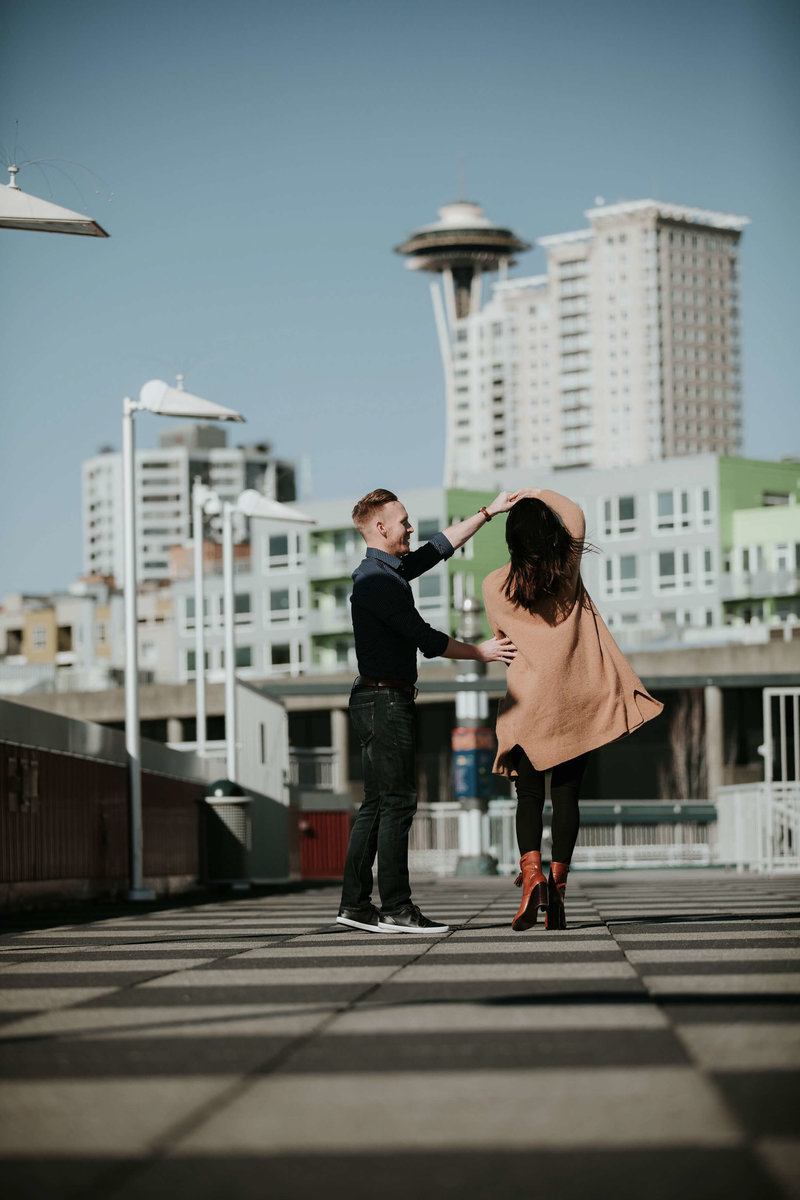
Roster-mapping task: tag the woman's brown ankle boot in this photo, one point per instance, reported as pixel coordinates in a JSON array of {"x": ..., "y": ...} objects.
[
  {"x": 555, "y": 917},
  {"x": 534, "y": 890}
]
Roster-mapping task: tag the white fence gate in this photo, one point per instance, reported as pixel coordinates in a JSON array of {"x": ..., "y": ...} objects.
[{"x": 759, "y": 823}]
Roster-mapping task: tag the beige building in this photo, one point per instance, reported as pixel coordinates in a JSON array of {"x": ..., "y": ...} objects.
[{"x": 625, "y": 351}]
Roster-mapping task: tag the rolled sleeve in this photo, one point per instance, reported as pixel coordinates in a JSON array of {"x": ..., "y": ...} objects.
[
  {"x": 443, "y": 545},
  {"x": 419, "y": 561}
]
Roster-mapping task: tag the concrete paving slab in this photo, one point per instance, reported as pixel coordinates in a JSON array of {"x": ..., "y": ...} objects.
[
  {"x": 698, "y": 985},
  {"x": 601, "y": 1108},
  {"x": 36, "y": 999},
  {"x": 737, "y": 1047},
  {"x": 96, "y": 966},
  {"x": 781, "y": 1159},
  {"x": 658, "y": 1174},
  {"x": 167, "y": 1022},
  {"x": 445, "y": 972},
  {"x": 273, "y": 976},
  {"x": 715, "y": 954},
  {"x": 368, "y": 1017},
  {"x": 721, "y": 936},
  {"x": 97, "y": 1117}
]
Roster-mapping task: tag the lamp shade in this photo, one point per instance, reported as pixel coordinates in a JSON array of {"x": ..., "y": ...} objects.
[
  {"x": 253, "y": 504},
  {"x": 158, "y": 397},
  {"x": 19, "y": 210}
]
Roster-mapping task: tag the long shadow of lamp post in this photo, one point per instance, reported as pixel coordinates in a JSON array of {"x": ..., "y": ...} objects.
[{"x": 155, "y": 397}]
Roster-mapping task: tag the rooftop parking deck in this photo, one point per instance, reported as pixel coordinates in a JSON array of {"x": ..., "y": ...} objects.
[{"x": 249, "y": 1047}]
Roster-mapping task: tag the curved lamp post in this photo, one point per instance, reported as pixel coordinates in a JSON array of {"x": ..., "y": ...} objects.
[{"x": 155, "y": 397}]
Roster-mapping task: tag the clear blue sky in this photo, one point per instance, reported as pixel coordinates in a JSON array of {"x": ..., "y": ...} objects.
[{"x": 264, "y": 158}]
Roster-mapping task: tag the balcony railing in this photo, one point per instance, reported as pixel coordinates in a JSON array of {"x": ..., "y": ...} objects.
[
  {"x": 314, "y": 769},
  {"x": 748, "y": 585},
  {"x": 625, "y": 833}
]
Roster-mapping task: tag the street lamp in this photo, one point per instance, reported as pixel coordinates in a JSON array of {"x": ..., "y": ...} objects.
[
  {"x": 251, "y": 504},
  {"x": 19, "y": 210},
  {"x": 155, "y": 397}
]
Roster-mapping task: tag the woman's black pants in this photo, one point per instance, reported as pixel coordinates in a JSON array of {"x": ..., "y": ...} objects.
[{"x": 565, "y": 787}]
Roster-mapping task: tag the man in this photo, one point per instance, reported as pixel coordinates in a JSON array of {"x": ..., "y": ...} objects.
[{"x": 388, "y": 632}]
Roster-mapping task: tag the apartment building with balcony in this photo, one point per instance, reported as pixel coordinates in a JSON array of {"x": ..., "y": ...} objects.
[
  {"x": 761, "y": 580},
  {"x": 624, "y": 351},
  {"x": 163, "y": 487},
  {"x": 672, "y": 542},
  {"x": 270, "y": 606}
]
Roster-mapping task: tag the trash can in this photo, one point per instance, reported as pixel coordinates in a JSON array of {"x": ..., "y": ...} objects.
[{"x": 228, "y": 829}]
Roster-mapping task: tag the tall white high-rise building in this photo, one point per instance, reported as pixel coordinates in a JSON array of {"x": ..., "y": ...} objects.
[
  {"x": 163, "y": 482},
  {"x": 625, "y": 351}
]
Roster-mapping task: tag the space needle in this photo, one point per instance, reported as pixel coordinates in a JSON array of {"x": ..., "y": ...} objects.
[{"x": 458, "y": 249}]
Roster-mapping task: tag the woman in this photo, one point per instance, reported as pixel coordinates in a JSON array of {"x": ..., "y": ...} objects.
[{"x": 569, "y": 688}]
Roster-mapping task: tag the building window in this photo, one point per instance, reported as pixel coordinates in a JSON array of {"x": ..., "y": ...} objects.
[
  {"x": 619, "y": 516},
  {"x": 242, "y": 608},
  {"x": 279, "y": 549},
  {"x": 430, "y": 585},
  {"x": 281, "y": 654},
  {"x": 244, "y": 656},
  {"x": 708, "y": 575},
  {"x": 622, "y": 575},
  {"x": 191, "y": 660},
  {"x": 101, "y": 633},
  {"x": 707, "y": 517},
  {"x": 39, "y": 637},
  {"x": 674, "y": 570},
  {"x": 279, "y": 604},
  {"x": 672, "y": 510},
  {"x": 427, "y": 528}
]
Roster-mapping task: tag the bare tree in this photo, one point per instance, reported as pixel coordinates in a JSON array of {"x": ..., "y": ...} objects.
[{"x": 683, "y": 777}]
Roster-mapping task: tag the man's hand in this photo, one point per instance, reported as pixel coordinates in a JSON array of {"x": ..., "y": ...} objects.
[
  {"x": 497, "y": 650},
  {"x": 501, "y": 503}
]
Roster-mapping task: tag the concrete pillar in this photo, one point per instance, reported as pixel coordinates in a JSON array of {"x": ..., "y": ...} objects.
[
  {"x": 339, "y": 742},
  {"x": 174, "y": 729},
  {"x": 715, "y": 739}
]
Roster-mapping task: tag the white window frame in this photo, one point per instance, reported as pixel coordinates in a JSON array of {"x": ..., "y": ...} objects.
[
  {"x": 680, "y": 522},
  {"x": 682, "y": 581},
  {"x": 613, "y": 584},
  {"x": 614, "y": 525}
]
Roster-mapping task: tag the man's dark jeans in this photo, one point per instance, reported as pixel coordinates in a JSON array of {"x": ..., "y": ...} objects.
[{"x": 384, "y": 721}]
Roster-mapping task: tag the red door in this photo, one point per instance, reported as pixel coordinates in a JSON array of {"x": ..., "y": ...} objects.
[{"x": 323, "y": 844}]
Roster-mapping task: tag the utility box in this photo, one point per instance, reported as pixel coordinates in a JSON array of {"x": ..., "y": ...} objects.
[{"x": 227, "y": 834}]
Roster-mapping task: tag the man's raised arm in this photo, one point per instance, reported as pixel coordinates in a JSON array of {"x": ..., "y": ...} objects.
[{"x": 460, "y": 533}]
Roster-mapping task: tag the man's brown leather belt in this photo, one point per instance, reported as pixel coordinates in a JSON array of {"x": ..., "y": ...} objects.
[{"x": 402, "y": 685}]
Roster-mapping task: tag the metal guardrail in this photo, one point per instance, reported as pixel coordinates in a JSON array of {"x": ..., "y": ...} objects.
[
  {"x": 759, "y": 826},
  {"x": 625, "y": 833}
]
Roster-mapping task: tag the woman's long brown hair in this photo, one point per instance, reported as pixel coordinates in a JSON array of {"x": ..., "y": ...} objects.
[{"x": 542, "y": 553}]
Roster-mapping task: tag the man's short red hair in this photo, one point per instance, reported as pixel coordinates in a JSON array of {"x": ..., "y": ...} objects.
[{"x": 368, "y": 505}]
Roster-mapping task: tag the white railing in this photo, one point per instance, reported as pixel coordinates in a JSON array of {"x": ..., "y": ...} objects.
[
  {"x": 314, "y": 769},
  {"x": 759, "y": 826},
  {"x": 434, "y": 844}
]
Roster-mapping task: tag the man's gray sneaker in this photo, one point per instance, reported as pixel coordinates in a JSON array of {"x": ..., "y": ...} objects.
[
  {"x": 366, "y": 917},
  {"x": 410, "y": 920}
]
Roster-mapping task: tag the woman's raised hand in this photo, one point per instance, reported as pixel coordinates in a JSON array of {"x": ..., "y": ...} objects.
[
  {"x": 497, "y": 650},
  {"x": 524, "y": 494}
]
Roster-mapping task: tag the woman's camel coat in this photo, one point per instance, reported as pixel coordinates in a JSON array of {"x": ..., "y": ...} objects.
[{"x": 570, "y": 689}]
